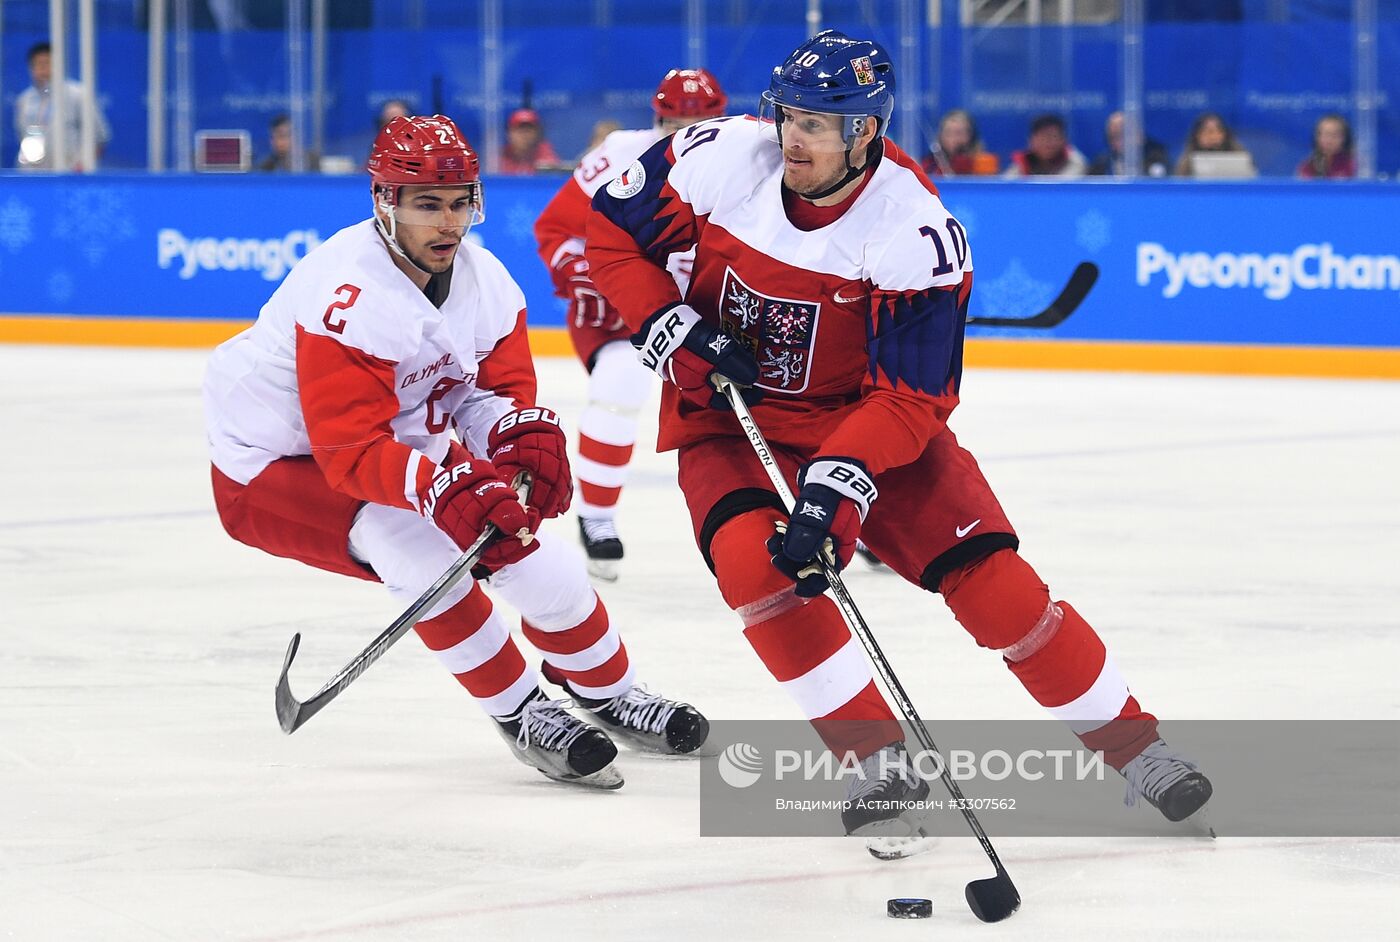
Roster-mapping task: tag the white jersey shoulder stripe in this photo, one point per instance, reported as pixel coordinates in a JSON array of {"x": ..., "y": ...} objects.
[{"x": 604, "y": 162}]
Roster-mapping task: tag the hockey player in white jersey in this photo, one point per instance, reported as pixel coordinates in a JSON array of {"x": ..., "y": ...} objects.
[
  {"x": 617, "y": 384},
  {"x": 372, "y": 422}
]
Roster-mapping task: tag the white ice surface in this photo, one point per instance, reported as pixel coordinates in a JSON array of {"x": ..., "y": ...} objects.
[{"x": 1235, "y": 541}]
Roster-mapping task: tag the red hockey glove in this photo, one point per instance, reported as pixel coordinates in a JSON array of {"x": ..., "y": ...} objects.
[
  {"x": 532, "y": 441},
  {"x": 587, "y": 306},
  {"x": 467, "y": 495},
  {"x": 681, "y": 348},
  {"x": 833, "y": 497}
]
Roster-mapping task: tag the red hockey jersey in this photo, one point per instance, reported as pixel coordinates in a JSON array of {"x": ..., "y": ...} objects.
[{"x": 857, "y": 325}]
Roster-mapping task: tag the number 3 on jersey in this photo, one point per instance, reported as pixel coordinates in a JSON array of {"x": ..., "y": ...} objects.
[
  {"x": 333, "y": 322},
  {"x": 956, "y": 237}
]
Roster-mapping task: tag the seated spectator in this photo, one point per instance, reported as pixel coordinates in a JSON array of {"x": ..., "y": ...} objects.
[
  {"x": 280, "y": 138},
  {"x": 958, "y": 149},
  {"x": 1156, "y": 162},
  {"x": 1048, "y": 152},
  {"x": 1211, "y": 135},
  {"x": 526, "y": 150},
  {"x": 34, "y": 117},
  {"x": 1331, "y": 155}
]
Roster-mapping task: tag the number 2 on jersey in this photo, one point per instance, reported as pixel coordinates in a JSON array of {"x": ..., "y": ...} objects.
[{"x": 352, "y": 294}]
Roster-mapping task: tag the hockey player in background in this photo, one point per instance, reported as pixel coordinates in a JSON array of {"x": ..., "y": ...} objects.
[
  {"x": 331, "y": 429},
  {"x": 617, "y": 384},
  {"x": 829, "y": 279}
]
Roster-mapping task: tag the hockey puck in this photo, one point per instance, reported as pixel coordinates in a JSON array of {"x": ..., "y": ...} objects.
[{"x": 906, "y": 907}]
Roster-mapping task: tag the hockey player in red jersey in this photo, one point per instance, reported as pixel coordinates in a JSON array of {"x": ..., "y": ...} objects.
[
  {"x": 617, "y": 385},
  {"x": 831, "y": 281},
  {"x": 372, "y": 422}
]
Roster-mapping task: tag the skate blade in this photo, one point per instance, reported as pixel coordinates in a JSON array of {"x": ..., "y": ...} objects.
[
  {"x": 904, "y": 826},
  {"x": 604, "y": 570},
  {"x": 607, "y": 778},
  {"x": 898, "y": 848},
  {"x": 656, "y": 745}
]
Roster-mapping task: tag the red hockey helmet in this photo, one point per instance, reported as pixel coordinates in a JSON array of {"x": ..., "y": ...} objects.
[
  {"x": 422, "y": 151},
  {"x": 689, "y": 94}
]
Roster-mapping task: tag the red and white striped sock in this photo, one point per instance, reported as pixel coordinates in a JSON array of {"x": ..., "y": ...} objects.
[
  {"x": 472, "y": 641},
  {"x": 588, "y": 653}
]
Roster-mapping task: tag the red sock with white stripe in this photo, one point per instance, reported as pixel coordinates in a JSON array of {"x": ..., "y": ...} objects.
[
  {"x": 618, "y": 386},
  {"x": 804, "y": 643},
  {"x": 473, "y": 642},
  {"x": 590, "y": 655},
  {"x": 1056, "y": 654}
]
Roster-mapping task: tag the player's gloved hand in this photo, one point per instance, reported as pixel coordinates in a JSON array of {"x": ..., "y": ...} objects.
[
  {"x": 833, "y": 497},
  {"x": 587, "y": 306},
  {"x": 465, "y": 496},
  {"x": 681, "y": 348},
  {"x": 532, "y": 441}
]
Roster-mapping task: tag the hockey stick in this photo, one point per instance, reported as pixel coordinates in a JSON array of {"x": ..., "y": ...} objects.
[
  {"x": 292, "y": 713},
  {"x": 1074, "y": 292},
  {"x": 994, "y": 898}
]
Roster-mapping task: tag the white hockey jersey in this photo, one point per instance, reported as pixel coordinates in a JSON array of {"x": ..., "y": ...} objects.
[{"x": 351, "y": 363}]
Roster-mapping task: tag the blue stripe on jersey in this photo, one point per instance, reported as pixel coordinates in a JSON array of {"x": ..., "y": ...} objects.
[
  {"x": 917, "y": 339},
  {"x": 647, "y": 214}
]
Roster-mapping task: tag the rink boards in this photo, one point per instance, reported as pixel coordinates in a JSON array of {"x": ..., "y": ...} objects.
[{"x": 1261, "y": 277}]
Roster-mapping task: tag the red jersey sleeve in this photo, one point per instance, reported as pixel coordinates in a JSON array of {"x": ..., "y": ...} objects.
[
  {"x": 509, "y": 370},
  {"x": 638, "y": 221},
  {"x": 561, "y": 227},
  {"x": 915, "y": 371},
  {"x": 348, "y": 401}
]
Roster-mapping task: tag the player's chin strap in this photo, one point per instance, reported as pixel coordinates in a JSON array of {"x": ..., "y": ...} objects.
[
  {"x": 873, "y": 153},
  {"x": 390, "y": 233}
]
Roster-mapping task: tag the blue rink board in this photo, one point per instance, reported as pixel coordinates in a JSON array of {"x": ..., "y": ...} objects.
[{"x": 1268, "y": 263}]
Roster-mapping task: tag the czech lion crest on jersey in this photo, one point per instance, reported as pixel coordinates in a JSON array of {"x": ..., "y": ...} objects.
[{"x": 780, "y": 332}]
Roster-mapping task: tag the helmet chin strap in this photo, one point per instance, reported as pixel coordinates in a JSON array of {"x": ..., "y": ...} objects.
[
  {"x": 852, "y": 173},
  {"x": 390, "y": 233}
]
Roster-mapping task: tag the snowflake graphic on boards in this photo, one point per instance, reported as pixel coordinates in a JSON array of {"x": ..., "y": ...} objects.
[
  {"x": 1014, "y": 293},
  {"x": 967, "y": 216},
  {"x": 16, "y": 224},
  {"x": 60, "y": 286},
  {"x": 1092, "y": 231},
  {"x": 520, "y": 223},
  {"x": 92, "y": 218}
]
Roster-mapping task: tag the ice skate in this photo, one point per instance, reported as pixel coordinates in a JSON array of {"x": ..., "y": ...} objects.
[
  {"x": 880, "y": 797},
  {"x": 1168, "y": 781},
  {"x": 646, "y": 720},
  {"x": 604, "y": 548},
  {"x": 546, "y": 736},
  {"x": 898, "y": 848}
]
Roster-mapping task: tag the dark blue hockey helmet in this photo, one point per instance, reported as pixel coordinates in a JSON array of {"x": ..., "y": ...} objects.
[{"x": 831, "y": 73}]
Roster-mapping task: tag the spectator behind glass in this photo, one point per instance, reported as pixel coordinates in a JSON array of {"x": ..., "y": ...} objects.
[
  {"x": 1048, "y": 152},
  {"x": 1331, "y": 155},
  {"x": 1156, "y": 162},
  {"x": 1209, "y": 135},
  {"x": 958, "y": 150},
  {"x": 526, "y": 150},
  {"x": 391, "y": 109},
  {"x": 280, "y": 138},
  {"x": 34, "y": 117}
]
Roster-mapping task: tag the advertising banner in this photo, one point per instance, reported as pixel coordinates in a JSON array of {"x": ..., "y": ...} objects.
[{"x": 1233, "y": 263}]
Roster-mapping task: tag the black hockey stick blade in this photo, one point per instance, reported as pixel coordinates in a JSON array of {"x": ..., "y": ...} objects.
[
  {"x": 288, "y": 707},
  {"x": 1075, "y": 290},
  {"x": 994, "y": 898}
]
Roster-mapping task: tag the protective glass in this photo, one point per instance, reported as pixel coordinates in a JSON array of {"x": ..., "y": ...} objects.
[
  {"x": 447, "y": 208},
  {"x": 814, "y": 132}
]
